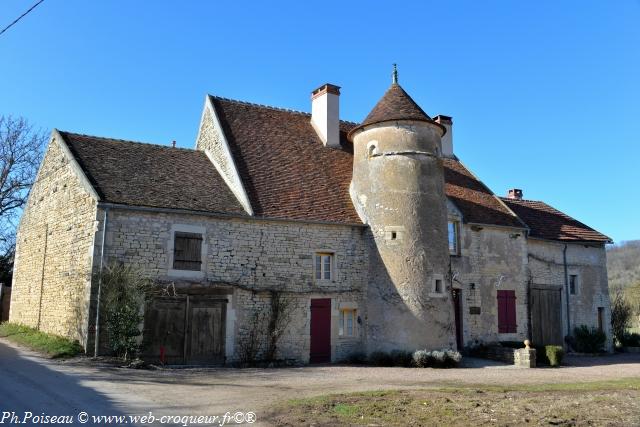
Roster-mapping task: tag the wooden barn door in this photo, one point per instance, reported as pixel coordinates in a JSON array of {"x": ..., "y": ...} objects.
[
  {"x": 186, "y": 329},
  {"x": 164, "y": 326},
  {"x": 546, "y": 315},
  {"x": 206, "y": 331},
  {"x": 320, "y": 330}
]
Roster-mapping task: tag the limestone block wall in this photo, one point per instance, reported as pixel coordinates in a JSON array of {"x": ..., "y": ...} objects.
[
  {"x": 54, "y": 253},
  {"x": 490, "y": 259},
  {"x": 588, "y": 262},
  {"x": 252, "y": 257}
]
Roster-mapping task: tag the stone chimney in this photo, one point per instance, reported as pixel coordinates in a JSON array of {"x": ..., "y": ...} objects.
[
  {"x": 447, "y": 138},
  {"x": 325, "y": 116},
  {"x": 515, "y": 193}
]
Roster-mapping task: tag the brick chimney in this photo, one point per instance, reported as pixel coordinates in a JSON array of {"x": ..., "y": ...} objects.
[
  {"x": 515, "y": 193},
  {"x": 447, "y": 138},
  {"x": 325, "y": 116}
]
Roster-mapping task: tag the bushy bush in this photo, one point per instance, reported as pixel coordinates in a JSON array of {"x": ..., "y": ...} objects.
[
  {"x": 554, "y": 354},
  {"x": 512, "y": 344},
  {"x": 380, "y": 358},
  {"x": 401, "y": 358},
  {"x": 621, "y": 313},
  {"x": 436, "y": 358},
  {"x": 589, "y": 340},
  {"x": 422, "y": 359},
  {"x": 630, "y": 340},
  {"x": 356, "y": 358}
]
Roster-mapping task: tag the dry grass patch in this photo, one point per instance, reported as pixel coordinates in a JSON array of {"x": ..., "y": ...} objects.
[{"x": 601, "y": 403}]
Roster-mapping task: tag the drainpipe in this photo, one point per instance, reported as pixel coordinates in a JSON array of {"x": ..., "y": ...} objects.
[
  {"x": 104, "y": 232},
  {"x": 566, "y": 288}
]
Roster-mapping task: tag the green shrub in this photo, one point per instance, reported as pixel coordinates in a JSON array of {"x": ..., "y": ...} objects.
[
  {"x": 356, "y": 358},
  {"x": 554, "y": 354},
  {"x": 51, "y": 345},
  {"x": 630, "y": 339},
  {"x": 380, "y": 358},
  {"x": 512, "y": 344},
  {"x": 589, "y": 340},
  {"x": 401, "y": 358},
  {"x": 124, "y": 289}
]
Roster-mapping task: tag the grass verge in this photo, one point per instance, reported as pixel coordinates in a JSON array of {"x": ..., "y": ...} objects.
[
  {"x": 590, "y": 403},
  {"x": 52, "y": 346}
]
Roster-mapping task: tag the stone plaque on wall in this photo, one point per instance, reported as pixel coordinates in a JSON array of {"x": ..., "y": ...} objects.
[{"x": 474, "y": 310}]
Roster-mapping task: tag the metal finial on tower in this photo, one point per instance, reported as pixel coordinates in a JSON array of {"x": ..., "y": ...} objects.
[{"x": 394, "y": 75}]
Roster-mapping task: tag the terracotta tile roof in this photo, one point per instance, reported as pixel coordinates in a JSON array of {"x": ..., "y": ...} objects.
[
  {"x": 137, "y": 174},
  {"x": 475, "y": 201},
  {"x": 287, "y": 173},
  {"x": 395, "y": 104},
  {"x": 286, "y": 170},
  {"x": 545, "y": 222}
]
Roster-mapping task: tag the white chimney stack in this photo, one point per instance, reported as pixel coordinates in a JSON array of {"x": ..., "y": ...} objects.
[
  {"x": 325, "y": 117},
  {"x": 447, "y": 138}
]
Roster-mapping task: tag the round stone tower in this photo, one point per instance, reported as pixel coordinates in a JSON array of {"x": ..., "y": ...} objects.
[{"x": 398, "y": 190}]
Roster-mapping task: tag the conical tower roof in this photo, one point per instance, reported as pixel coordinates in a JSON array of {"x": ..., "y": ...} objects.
[{"x": 396, "y": 104}]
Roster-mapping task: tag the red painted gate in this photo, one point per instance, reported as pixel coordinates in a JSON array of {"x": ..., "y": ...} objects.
[{"x": 320, "y": 330}]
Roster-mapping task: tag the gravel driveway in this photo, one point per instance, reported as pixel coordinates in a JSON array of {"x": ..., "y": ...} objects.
[{"x": 30, "y": 381}]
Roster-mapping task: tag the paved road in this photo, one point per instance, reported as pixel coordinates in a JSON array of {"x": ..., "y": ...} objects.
[{"x": 29, "y": 382}]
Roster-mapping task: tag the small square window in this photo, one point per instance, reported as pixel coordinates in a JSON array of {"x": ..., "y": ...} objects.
[
  {"x": 348, "y": 319},
  {"x": 187, "y": 251},
  {"x": 573, "y": 283},
  {"x": 437, "y": 286},
  {"x": 324, "y": 266},
  {"x": 394, "y": 235}
]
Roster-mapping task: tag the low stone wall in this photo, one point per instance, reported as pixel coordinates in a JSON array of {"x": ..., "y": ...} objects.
[
  {"x": 523, "y": 357},
  {"x": 500, "y": 354}
]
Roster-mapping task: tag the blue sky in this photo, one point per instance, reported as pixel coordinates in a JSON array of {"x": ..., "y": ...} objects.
[{"x": 545, "y": 95}]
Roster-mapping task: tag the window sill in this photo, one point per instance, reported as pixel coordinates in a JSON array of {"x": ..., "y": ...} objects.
[
  {"x": 436, "y": 295},
  {"x": 190, "y": 274}
]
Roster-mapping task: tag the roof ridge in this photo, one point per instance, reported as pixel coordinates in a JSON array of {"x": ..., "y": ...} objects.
[
  {"x": 64, "y": 132},
  {"x": 524, "y": 200},
  {"x": 271, "y": 107}
]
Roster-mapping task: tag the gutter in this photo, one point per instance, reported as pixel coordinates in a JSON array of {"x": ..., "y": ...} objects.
[
  {"x": 107, "y": 205},
  {"x": 104, "y": 232}
]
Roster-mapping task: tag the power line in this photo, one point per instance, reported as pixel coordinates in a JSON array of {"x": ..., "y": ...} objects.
[{"x": 20, "y": 17}]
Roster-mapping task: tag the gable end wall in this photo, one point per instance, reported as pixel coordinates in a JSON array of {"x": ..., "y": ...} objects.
[{"x": 55, "y": 246}]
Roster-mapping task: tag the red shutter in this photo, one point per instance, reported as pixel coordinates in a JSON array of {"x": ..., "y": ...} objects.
[{"x": 507, "y": 312}]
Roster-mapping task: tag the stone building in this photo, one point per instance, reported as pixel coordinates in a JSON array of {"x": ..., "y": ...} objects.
[{"x": 375, "y": 234}]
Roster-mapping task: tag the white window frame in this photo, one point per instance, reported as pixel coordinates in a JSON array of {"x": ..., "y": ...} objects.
[
  {"x": 323, "y": 254},
  {"x": 456, "y": 237},
  {"x": 343, "y": 331},
  {"x": 187, "y": 228}
]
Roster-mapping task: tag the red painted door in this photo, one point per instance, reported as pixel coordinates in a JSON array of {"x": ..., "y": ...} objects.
[{"x": 320, "y": 330}]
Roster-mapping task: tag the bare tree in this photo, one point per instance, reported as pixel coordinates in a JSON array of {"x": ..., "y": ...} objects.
[{"x": 20, "y": 153}]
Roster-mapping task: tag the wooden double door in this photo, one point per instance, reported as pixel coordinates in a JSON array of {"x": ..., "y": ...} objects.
[{"x": 185, "y": 330}]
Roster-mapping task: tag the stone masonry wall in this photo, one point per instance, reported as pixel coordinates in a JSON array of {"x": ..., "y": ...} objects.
[
  {"x": 252, "y": 257},
  {"x": 592, "y": 291},
  {"x": 491, "y": 259},
  {"x": 55, "y": 250}
]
